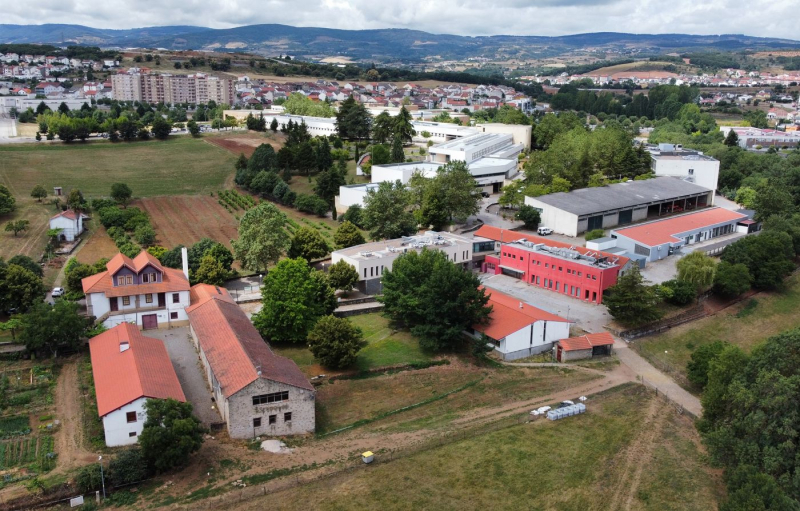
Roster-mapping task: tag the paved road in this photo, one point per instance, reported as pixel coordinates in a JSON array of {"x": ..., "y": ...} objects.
[{"x": 190, "y": 374}]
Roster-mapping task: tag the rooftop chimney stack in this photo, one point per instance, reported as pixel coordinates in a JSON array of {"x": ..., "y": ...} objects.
[{"x": 185, "y": 261}]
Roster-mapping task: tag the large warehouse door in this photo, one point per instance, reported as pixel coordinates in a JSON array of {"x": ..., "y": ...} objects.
[
  {"x": 625, "y": 217},
  {"x": 595, "y": 222}
]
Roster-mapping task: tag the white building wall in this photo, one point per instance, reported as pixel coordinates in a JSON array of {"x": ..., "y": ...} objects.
[
  {"x": 701, "y": 172},
  {"x": 117, "y": 428},
  {"x": 69, "y": 228},
  {"x": 130, "y": 313},
  {"x": 534, "y": 338},
  {"x": 562, "y": 222}
]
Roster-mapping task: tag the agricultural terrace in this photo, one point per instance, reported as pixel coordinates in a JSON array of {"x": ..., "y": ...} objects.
[
  {"x": 745, "y": 324},
  {"x": 629, "y": 451}
]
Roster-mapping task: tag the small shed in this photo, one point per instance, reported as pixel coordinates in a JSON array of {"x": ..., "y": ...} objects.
[{"x": 584, "y": 346}]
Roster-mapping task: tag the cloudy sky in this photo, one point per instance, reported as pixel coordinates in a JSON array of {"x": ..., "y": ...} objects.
[{"x": 465, "y": 17}]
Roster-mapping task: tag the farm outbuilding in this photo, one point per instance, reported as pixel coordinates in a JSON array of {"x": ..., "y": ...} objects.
[{"x": 584, "y": 346}]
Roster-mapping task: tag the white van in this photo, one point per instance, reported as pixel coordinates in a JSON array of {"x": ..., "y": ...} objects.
[{"x": 544, "y": 231}]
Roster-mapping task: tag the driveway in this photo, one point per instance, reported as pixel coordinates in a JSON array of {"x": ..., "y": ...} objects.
[
  {"x": 187, "y": 365},
  {"x": 588, "y": 316}
]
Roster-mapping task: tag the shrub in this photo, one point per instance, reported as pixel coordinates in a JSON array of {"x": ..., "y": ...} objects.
[
  {"x": 311, "y": 204},
  {"x": 680, "y": 292},
  {"x": 594, "y": 234}
]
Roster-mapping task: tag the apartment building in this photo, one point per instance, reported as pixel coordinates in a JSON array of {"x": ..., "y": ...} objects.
[{"x": 173, "y": 89}]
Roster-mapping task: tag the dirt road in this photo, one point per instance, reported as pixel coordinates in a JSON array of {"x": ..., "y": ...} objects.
[{"x": 69, "y": 438}]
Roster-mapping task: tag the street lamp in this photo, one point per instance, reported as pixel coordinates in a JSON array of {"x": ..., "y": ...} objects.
[{"x": 102, "y": 477}]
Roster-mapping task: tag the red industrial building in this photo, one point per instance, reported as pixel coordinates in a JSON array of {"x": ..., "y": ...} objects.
[{"x": 559, "y": 267}]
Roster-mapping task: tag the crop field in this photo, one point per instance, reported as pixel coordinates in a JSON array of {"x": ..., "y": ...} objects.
[
  {"x": 178, "y": 166},
  {"x": 629, "y": 451},
  {"x": 185, "y": 219},
  {"x": 246, "y": 143}
]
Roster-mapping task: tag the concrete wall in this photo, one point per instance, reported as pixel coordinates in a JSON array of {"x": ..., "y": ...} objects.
[
  {"x": 521, "y": 133},
  {"x": 704, "y": 173},
  {"x": 566, "y": 356},
  {"x": 541, "y": 337},
  {"x": 69, "y": 228},
  {"x": 559, "y": 220},
  {"x": 118, "y": 429},
  {"x": 240, "y": 411}
]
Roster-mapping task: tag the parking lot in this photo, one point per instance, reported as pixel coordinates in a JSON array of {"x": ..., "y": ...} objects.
[
  {"x": 588, "y": 316},
  {"x": 190, "y": 373}
]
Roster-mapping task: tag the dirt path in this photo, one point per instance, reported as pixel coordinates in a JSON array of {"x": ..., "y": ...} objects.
[
  {"x": 637, "y": 455},
  {"x": 69, "y": 438}
]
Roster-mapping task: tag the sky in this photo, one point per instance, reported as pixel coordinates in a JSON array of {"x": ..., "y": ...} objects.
[{"x": 766, "y": 18}]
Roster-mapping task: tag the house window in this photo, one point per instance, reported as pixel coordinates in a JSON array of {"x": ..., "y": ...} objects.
[
  {"x": 257, "y": 422},
  {"x": 121, "y": 281},
  {"x": 148, "y": 298},
  {"x": 132, "y": 434},
  {"x": 176, "y": 298},
  {"x": 273, "y": 419},
  {"x": 287, "y": 417},
  {"x": 130, "y": 416},
  {"x": 128, "y": 279},
  {"x": 173, "y": 315},
  {"x": 126, "y": 300},
  {"x": 275, "y": 397},
  {"x": 145, "y": 278}
]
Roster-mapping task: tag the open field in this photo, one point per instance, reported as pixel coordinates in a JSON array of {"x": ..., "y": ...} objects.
[
  {"x": 745, "y": 324},
  {"x": 385, "y": 347},
  {"x": 629, "y": 451},
  {"x": 246, "y": 143},
  {"x": 185, "y": 219},
  {"x": 32, "y": 241},
  {"x": 27, "y": 129},
  {"x": 180, "y": 165}
]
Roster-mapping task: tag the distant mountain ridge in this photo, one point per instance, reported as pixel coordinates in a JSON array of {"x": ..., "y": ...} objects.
[{"x": 381, "y": 45}]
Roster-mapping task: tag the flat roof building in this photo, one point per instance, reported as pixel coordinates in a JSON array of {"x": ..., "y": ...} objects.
[
  {"x": 586, "y": 209},
  {"x": 371, "y": 259},
  {"x": 749, "y": 137},
  {"x": 692, "y": 166},
  {"x": 656, "y": 240}
]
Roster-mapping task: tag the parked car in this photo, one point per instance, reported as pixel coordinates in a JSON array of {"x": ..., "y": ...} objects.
[
  {"x": 485, "y": 195},
  {"x": 57, "y": 291},
  {"x": 544, "y": 231}
]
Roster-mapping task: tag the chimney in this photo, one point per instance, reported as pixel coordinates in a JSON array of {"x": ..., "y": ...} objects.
[
  {"x": 520, "y": 305},
  {"x": 124, "y": 346},
  {"x": 185, "y": 261}
]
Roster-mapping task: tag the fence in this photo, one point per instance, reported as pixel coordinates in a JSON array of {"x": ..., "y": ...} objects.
[
  {"x": 696, "y": 312},
  {"x": 665, "y": 396}
]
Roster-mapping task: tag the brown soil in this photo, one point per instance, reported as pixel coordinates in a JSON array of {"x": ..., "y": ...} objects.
[
  {"x": 69, "y": 437},
  {"x": 185, "y": 219},
  {"x": 244, "y": 144},
  {"x": 98, "y": 246}
]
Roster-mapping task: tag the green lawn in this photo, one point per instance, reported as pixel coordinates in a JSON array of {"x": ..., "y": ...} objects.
[
  {"x": 178, "y": 166},
  {"x": 385, "y": 346},
  {"x": 579, "y": 463},
  {"x": 745, "y": 324}
]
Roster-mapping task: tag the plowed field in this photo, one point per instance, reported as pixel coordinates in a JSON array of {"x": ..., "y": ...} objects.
[
  {"x": 185, "y": 219},
  {"x": 246, "y": 144}
]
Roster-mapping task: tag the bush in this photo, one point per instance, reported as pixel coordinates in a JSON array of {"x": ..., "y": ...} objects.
[
  {"x": 145, "y": 235},
  {"x": 594, "y": 234},
  {"x": 128, "y": 467},
  {"x": 529, "y": 216},
  {"x": 89, "y": 478},
  {"x": 335, "y": 342},
  {"x": 680, "y": 292},
  {"x": 697, "y": 368},
  {"x": 311, "y": 204}
]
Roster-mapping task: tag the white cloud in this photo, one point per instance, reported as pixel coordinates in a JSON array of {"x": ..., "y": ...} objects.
[{"x": 465, "y": 17}]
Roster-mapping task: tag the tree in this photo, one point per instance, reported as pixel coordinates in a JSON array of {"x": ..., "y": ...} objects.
[
  {"x": 529, "y": 216},
  {"x": 121, "y": 193},
  {"x": 380, "y": 155},
  {"x": 398, "y": 156},
  {"x": 323, "y": 156},
  {"x": 7, "y": 201},
  {"x": 38, "y": 193},
  {"x": 48, "y": 328},
  {"x": 403, "y": 129},
  {"x": 335, "y": 342},
  {"x": 264, "y": 183},
  {"x": 697, "y": 269},
  {"x": 732, "y": 280},
  {"x": 732, "y": 140},
  {"x": 27, "y": 263},
  {"x": 772, "y": 199},
  {"x": 193, "y": 128},
  {"x": 12, "y": 325},
  {"x": 435, "y": 298},
  {"x": 274, "y": 125},
  {"x": 170, "y": 434},
  {"x": 385, "y": 213},
  {"x": 382, "y": 128},
  {"x": 161, "y": 128},
  {"x": 342, "y": 275},
  {"x": 309, "y": 244},
  {"x": 128, "y": 467},
  {"x": 697, "y": 368},
  {"x": 20, "y": 288},
  {"x": 327, "y": 186},
  {"x": 210, "y": 271},
  {"x": 17, "y": 226},
  {"x": 678, "y": 292},
  {"x": 354, "y": 215},
  {"x": 746, "y": 196},
  {"x": 457, "y": 189},
  {"x": 630, "y": 301},
  {"x": 145, "y": 235},
  {"x": 75, "y": 201},
  {"x": 305, "y": 159},
  {"x": 291, "y": 301},
  {"x": 768, "y": 257},
  {"x": 348, "y": 235},
  {"x": 262, "y": 237}
]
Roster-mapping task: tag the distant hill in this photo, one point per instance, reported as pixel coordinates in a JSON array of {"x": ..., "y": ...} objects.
[{"x": 383, "y": 45}]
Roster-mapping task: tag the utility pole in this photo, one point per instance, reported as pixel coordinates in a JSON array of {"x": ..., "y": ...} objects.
[{"x": 102, "y": 476}]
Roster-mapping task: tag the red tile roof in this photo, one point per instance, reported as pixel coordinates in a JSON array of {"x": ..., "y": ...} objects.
[
  {"x": 172, "y": 280},
  {"x": 233, "y": 347},
  {"x": 70, "y": 214},
  {"x": 510, "y": 315},
  {"x": 508, "y": 236},
  {"x": 664, "y": 231},
  {"x": 143, "y": 370},
  {"x": 586, "y": 342}
]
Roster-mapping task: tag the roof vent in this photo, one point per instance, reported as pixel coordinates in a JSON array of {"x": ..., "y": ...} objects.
[
  {"x": 520, "y": 305},
  {"x": 124, "y": 346}
]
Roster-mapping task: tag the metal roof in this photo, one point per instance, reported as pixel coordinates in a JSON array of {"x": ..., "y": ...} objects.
[{"x": 586, "y": 201}]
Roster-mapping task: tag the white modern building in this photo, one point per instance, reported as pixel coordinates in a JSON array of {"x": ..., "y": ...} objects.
[
  {"x": 371, "y": 259},
  {"x": 517, "y": 329},
  {"x": 128, "y": 369},
  {"x": 754, "y": 138},
  {"x": 70, "y": 223},
  {"x": 139, "y": 291},
  {"x": 691, "y": 166}
]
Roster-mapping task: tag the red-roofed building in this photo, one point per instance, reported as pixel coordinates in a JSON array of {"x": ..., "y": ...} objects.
[
  {"x": 129, "y": 369},
  {"x": 560, "y": 267},
  {"x": 139, "y": 291},
  {"x": 519, "y": 330},
  {"x": 257, "y": 392},
  {"x": 658, "y": 239},
  {"x": 585, "y": 346},
  {"x": 70, "y": 223}
]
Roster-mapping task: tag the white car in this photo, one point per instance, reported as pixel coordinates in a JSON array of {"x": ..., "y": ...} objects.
[
  {"x": 544, "y": 231},
  {"x": 57, "y": 291}
]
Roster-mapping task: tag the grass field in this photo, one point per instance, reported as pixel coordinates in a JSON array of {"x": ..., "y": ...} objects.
[
  {"x": 633, "y": 66},
  {"x": 745, "y": 325},
  {"x": 604, "y": 459},
  {"x": 178, "y": 166}
]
